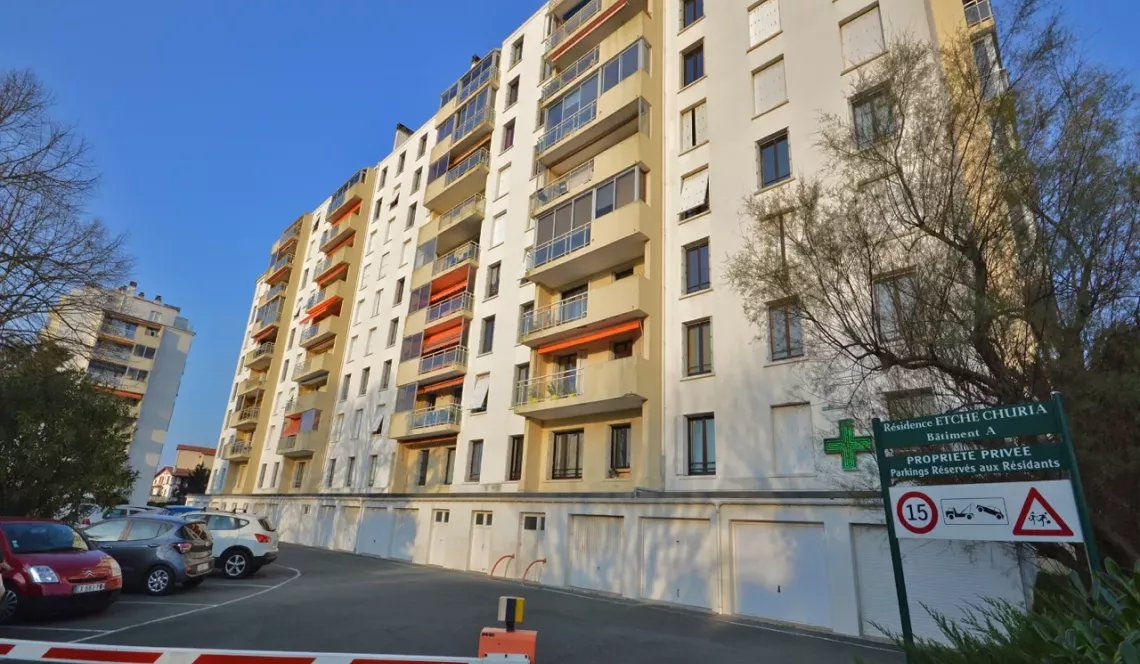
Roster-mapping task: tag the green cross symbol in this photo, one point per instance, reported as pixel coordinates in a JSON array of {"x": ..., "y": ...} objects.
[{"x": 847, "y": 444}]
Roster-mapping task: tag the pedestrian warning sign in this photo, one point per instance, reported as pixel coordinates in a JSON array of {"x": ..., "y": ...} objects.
[{"x": 1039, "y": 518}]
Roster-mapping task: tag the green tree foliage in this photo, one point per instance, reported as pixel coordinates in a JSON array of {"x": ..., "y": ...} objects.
[
  {"x": 196, "y": 482},
  {"x": 63, "y": 440}
]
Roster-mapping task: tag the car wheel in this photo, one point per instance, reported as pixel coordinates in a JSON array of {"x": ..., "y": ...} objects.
[
  {"x": 9, "y": 606},
  {"x": 159, "y": 581},
  {"x": 236, "y": 564},
  {"x": 193, "y": 583}
]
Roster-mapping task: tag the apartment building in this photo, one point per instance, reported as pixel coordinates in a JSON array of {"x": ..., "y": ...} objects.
[
  {"x": 137, "y": 347},
  {"x": 494, "y": 349}
]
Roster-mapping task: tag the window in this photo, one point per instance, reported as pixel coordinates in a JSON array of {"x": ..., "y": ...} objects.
[
  {"x": 517, "y": 51},
  {"x": 691, "y": 10},
  {"x": 388, "y": 231},
  {"x": 400, "y": 162},
  {"x": 873, "y": 118},
  {"x": 697, "y": 267},
  {"x": 330, "y": 473},
  {"x": 694, "y": 126},
  {"x": 357, "y": 423},
  {"x": 298, "y": 474},
  {"x": 619, "y": 448},
  {"x": 526, "y": 318},
  {"x": 905, "y": 404},
  {"x": 763, "y": 22},
  {"x": 412, "y": 346},
  {"x": 422, "y": 468},
  {"x": 368, "y": 341},
  {"x": 503, "y": 182},
  {"x": 894, "y": 303},
  {"x": 406, "y": 253},
  {"x": 261, "y": 476},
  {"x": 449, "y": 466},
  {"x": 769, "y": 87},
  {"x": 698, "y": 348},
  {"x": 512, "y": 93},
  {"x": 383, "y": 177},
  {"x": 475, "y": 461},
  {"x": 622, "y": 274},
  {"x": 276, "y": 471},
  {"x": 480, "y": 392},
  {"x": 155, "y": 317},
  {"x": 567, "y": 464},
  {"x": 350, "y": 471},
  {"x": 151, "y": 332},
  {"x": 785, "y": 328},
  {"x": 493, "y": 280},
  {"x": 534, "y": 522},
  {"x": 693, "y": 65},
  {"x": 376, "y": 302},
  {"x": 508, "y": 135},
  {"x": 442, "y": 516},
  {"x": 399, "y": 292},
  {"x": 521, "y": 383},
  {"x": 990, "y": 71},
  {"x": 694, "y": 194},
  {"x": 378, "y": 418},
  {"x": 416, "y": 179},
  {"x": 498, "y": 229},
  {"x": 393, "y": 331},
  {"x": 386, "y": 374},
  {"x": 344, "y": 386},
  {"x": 284, "y": 369},
  {"x": 364, "y": 380},
  {"x": 701, "y": 439},
  {"x": 862, "y": 37},
  {"x": 384, "y": 263},
  {"x": 487, "y": 340},
  {"x": 352, "y": 344},
  {"x": 423, "y": 147},
  {"x": 775, "y": 165},
  {"x": 145, "y": 529},
  {"x": 514, "y": 458},
  {"x": 622, "y": 349},
  {"x": 372, "y": 462},
  {"x": 408, "y": 223}
]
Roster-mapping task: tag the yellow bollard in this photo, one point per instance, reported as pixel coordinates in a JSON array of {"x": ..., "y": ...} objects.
[{"x": 507, "y": 640}]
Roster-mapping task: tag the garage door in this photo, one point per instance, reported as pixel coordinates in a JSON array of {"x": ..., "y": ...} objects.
[
  {"x": 596, "y": 552},
  {"x": 344, "y": 535},
  {"x": 680, "y": 561},
  {"x": 406, "y": 524},
  {"x": 946, "y": 576},
  {"x": 780, "y": 572},
  {"x": 375, "y": 531}
]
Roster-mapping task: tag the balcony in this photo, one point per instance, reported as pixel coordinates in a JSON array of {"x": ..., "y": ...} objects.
[
  {"x": 615, "y": 115},
  {"x": 440, "y": 365},
  {"x": 319, "y": 333},
  {"x": 272, "y": 294},
  {"x": 314, "y": 370},
  {"x": 338, "y": 234},
  {"x": 426, "y": 423},
  {"x": 288, "y": 238},
  {"x": 239, "y": 450},
  {"x": 463, "y": 180},
  {"x": 485, "y": 72},
  {"x": 117, "y": 381},
  {"x": 616, "y": 238},
  {"x": 467, "y": 133},
  {"x": 118, "y": 331},
  {"x": 266, "y": 325},
  {"x": 977, "y": 11},
  {"x": 558, "y": 189},
  {"x": 570, "y": 74},
  {"x": 280, "y": 270},
  {"x": 260, "y": 357},
  {"x": 601, "y": 387},
  {"x": 306, "y": 402},
  {"x": 445, "y": 311},
  {"x": 331, "y": 267},
  {"x": 301, "y": 444},
  {"x": 245, "y": 419},
  {"x": 623, "y": 300},
  {"x": 348, "y": 196},
  {"x": 461, "y": 223},
  {"x": 252, "y": 386},
  {"x": 582, "y": 32},
  {"x": 449, "y": 269},
  {"x": 327, "y": 301}
]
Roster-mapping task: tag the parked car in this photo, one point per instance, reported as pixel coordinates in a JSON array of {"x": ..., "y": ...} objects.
[
  {"x": 243, "y": 543},
  {"x": 178, "y": 510},
  {"x": 95, "y": 515},
  {"x": 155, "y": 551},
  {"x": 49, "y": 567}
]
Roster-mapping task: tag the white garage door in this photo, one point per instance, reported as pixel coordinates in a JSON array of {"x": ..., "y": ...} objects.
[
  {"x": 946, "y": 576},
  {"x": 440, "y": 534},
  {"x": 404, "y": 533},
  {"x": 375, "y": 532},
  {"x": 344, "y": 535},
  {"x": 780, "y": 572},
  {"x": 680, "y": 561},
  {"x": 325, "y": 516},
  {"x": 596, "y": 552}
]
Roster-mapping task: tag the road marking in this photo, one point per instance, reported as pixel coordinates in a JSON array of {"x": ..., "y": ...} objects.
[
  {"x": 810, "y": 635},
  {"x": 55, "y": 629},
  {"x": 296, "y": 575},
  {"x": 165, "y": 603},
  {"x": 231, "y": 584}
]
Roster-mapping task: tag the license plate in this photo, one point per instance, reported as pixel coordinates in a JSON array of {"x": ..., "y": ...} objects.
[
  {"x": 88, "y": 587},
  {"x": 203, "y": 567}
]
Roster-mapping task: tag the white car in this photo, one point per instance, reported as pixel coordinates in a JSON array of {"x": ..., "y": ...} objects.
[
  {"x": 94, "y": 514},
  {"x": 243, "y": 543}
]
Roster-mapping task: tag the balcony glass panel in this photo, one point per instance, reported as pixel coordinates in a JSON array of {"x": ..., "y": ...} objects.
[
  {"x": 570, "y": 73},
  {"x": 461, "y": 302},
  {"x": 480, "y": 158},
  {"x": 571, "y": 23},
  {"x": 483, "y": 71},
  {"x": 977, "y": 11},
  {"x": 567, "y": 228},
  {"x": 455, "y": 257},
  {"x": 452, "y": 216},
  {"x": 444, "y": 358},
  {"x": 434, "y": 417},
  {"x": 563, "y": 311},
  {"x": 562, "y": 185},
  {"x": 560, "y": 385}
]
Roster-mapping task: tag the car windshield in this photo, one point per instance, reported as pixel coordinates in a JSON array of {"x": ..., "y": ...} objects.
[{"x": 43, "y": 538}]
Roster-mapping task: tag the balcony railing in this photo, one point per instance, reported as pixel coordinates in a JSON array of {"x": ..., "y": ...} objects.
[
  {"x": 550, "y": 387},
  {"x": 567, "y": 127},
  {"x": 118, "y": 330},
  {"x": 262, "y": 350},
  {"x": 576, "y": 21},
  {"x": 467, "y": 89},
  {"x": 469, "y": 251},
  {"x": 570, "y": 73},
  {"x": 456, "y": 355},
  {"x": 285, "y": 260},
  {"x": 252, "y": 383},
  {"x": 238, "y": 448},
  {"x": 563, "y": 311},
  {"x": 560, "y": 246},
  {"x": 977, "y": 11},
  {"x": 270, "y": 318},
  {"x": 562, "y": 185},
  {"x": 480, "y": 158},
  {"x": 468, "y": 125},
  {"x": 461, "y": 302},
  {"x": 279, "y": 289},
  {"x": 104, "y": 353},
  {"x": 434, "y": 417},
  {"x": 461, "y": 211},
  {"x": 310, "y": 332},
  {"x": 107, "y": 377},
  {"x": 289, "y": 234},
  {"x": 246, "y": 414}
]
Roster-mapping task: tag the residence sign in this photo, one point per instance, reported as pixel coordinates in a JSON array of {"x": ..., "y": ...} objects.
[
  {"x": 1013, "y": 459},
  {"x": 989, "y": 423}
]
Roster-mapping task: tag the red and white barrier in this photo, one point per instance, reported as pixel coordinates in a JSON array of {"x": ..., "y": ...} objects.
[{"x": 42, "y": 651}]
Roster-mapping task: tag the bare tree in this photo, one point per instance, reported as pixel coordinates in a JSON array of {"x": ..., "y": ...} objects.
[
  {"x": 973, "y": 241},
  {"x": 48, "y": 247}
]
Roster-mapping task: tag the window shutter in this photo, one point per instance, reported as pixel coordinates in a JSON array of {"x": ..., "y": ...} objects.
[
  {"x": 764, "y": 21},
  {"x": 769, "y": 87},
  {"x": 479, "y": 393},
  {"x": 862, "y": 38},
  {"x": 687, "y": 130},
  {"x": 700, "y": 124},
  {"x": 498, "y": 230},
  {"x": 694, "y": 190}
]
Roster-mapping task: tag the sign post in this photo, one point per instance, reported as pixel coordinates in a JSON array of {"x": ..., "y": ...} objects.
[{"x": 893, "y": 540}]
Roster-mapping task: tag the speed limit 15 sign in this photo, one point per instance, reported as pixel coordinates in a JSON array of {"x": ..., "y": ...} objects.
[{"x": 916, "y": 512}]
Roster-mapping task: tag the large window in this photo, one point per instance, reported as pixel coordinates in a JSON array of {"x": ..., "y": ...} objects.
[
  {"x": 386, "y": 374},
  {"x": 775, "y": 163},
  {"x": 493, "y": 272},
  {"x": 691, "y": 10},
  {"x": 693, "y": 62},
  {"x": 567, "y": 228},
  {"x": 694, "y": 194},
  {"x": 449, "y": 466},
  {"x": 697, "y": 267},
  {"x": 475, "y": 461},
  {"x": 411, "y": 346},
  {"x": 514, "y": 458},
  {"x": 786, "y": 335},
  {"x": 487, "y": 341},
  {"x": 763, "y": 22},
  {"x": 769, "y": 87},
  {"x": 862, "y": 37},
  {"x": 330, "y": 473},
  {"x": 567, "y": 463},
  {"x": 873, "y": 118},
  {"x": 694, "y": 126},
  {"x": 894, "y": 303},
  {"x": 619, "y": 447},
  {"x": 422, "y": 467},
  {"x": 698, "y": 347},
  {"x": 701, "y": 442}
]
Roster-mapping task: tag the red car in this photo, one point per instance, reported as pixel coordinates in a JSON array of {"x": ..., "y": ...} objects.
[{"x": 48, "y": 567}]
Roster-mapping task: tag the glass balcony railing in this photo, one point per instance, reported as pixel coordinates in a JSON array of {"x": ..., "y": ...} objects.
[
  {"x": 289, "y": 234},
  {"x": 442, "y": 359},
  {"x": 310, "y": 332},
  {"x": 567, "y": 127},
  {"x": 562, "y": 185},
  {"x": 468, "y": 125},
  {"x": 119, "y": 330},
  {"x": 274, "y": 292},
  {"x": 480, "y": 158},
  {"x": 560, "y": 246},
  {"x": 572, "y": 24},
  {"x": 281, "y": 263},
  {"x": 434, "y": 417},
  {"x": 455, "y": 257},
  {"x": 262, "y": 350},
  {"x": 569, "y": 74},
  {"x": 269, "y": 318},
  {"x": 461, "y": 211},
  {"x": 563, "y": 311},
  {"x": 461, "y": 302},
  {"x": 550, "y": 387},
  {"x": 107, "y": 377},
  {"x": 247, "y": 414},
  {"x": 977, "y": 11},
  {"x": 237, "y": 449}
]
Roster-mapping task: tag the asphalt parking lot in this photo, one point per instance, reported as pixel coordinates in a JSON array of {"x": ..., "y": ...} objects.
[{"x": 323, "y": 601}]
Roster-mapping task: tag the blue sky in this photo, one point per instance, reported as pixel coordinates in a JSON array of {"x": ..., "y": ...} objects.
[{"x": 216, "y": 123}]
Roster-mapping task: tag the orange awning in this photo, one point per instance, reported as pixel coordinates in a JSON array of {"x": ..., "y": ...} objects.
[
  {"x": 439, "y": 343},
  {"x": 293, "y": 426},
  {"x": 347, "y": 212},
  {"x": 347, "y": 239},
  {"x": 591, "y": 337},
  {"x": 321, "y": 307},
  {"x": 266, "y": 333},
  {"x": 415, "y": 444},
  {"x": 447, "y": 292},
  {"x": 335, "y": 272},
  {"x": 440, "y": 386}
]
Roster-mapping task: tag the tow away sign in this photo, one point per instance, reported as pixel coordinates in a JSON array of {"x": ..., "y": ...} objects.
[{"x": 1044, "y": 511}]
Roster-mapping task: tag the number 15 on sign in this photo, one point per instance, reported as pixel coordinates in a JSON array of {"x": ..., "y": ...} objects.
[{"x": 917, "y": 512}]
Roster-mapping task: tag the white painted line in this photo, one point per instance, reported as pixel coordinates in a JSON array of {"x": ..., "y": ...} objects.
[
  {"x": 821, "y": 637},
  {"x": 54, "y": 629},
  {"x": 296, "y": 575},
  {"x": 238, "y": 584},
  {"x": 160, "y": 603}
]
